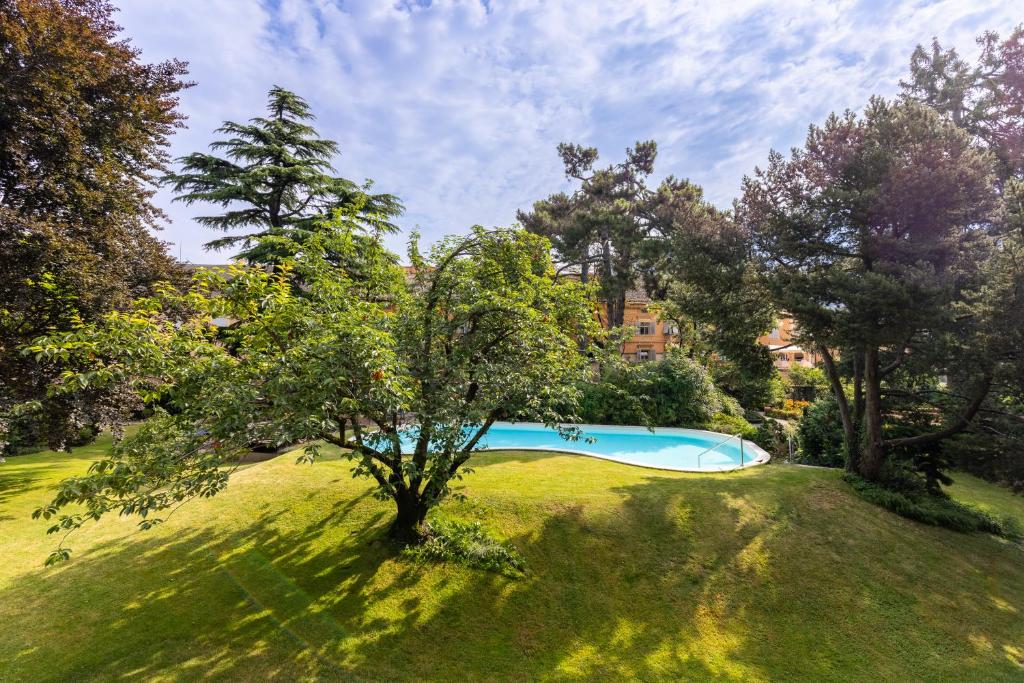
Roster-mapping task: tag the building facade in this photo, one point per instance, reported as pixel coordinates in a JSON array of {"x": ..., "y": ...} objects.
[
  {"x": 785, "y": 351},
  {"x": 653, "y": 336}
]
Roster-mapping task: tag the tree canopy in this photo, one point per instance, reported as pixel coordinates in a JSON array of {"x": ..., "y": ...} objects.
[
  {"x": 873, "y": 235},
  {"x": 613, "y": 225},
  {"x": 481, "y": 331},
  {"x": 275, "y": 178},
  {"x": 83, "y": 128},
  {"x": 985, "y": 99}
]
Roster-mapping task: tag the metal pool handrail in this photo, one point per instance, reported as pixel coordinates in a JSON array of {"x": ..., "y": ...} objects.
[{"x": 728, "y": 438}]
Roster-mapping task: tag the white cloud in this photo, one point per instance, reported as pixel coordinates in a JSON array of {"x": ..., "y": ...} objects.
[{"x": 457, "y": 106}]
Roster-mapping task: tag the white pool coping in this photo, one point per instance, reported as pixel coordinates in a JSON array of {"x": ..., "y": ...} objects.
[{"x": 762, "y": 456}]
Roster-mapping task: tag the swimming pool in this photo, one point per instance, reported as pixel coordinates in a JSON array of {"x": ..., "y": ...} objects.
[{"x": 687, "y": 450}]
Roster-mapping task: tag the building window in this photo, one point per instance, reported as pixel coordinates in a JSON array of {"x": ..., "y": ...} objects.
[
  {"x": 643, "y": 354},
  {"x": 645, "y": 328},
  {"x": 775, "y": 333},
  {"x": 671, "y": 328}
]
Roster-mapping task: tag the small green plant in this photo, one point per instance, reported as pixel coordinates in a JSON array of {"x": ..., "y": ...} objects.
[
  {"x": 936, "y": 510},
  {"x": 466, "y": 543},
  {"x": 820, "y": 435},
  {"x": 730, "y": 424}
]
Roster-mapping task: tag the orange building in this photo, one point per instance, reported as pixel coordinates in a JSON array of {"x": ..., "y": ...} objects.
[
  {"x": 651, "y": 336},
  {"x": 785, "y": 351}
]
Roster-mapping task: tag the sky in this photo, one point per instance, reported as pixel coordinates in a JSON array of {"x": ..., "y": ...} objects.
[{"x": 457, "y": 107}]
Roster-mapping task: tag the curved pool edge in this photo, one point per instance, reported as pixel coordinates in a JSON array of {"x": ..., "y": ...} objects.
[{"x": 763, "y": 456}]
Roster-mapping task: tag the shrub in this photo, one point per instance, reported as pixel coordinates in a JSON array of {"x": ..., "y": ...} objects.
[
  {"x": 807, "y": 383},
  {"x": 466, "y": 543},
  {"x": 674, "y": 392},
  {"x": 790, "y": 410},
  {"x": 936, "y": 510},
  {"x": 820, "y": 435},
  {"x": 774, "y": 437},
  {"x": 731, "y": 424}
]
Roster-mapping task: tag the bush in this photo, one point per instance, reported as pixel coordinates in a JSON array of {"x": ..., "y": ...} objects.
[
  {"x": 790, "y": 409},
  {"x": 731, "y": 424},
  {"x": 674, "y": 392},
  {"x": 774, "y": 437},
  {"x": 752, "y": 390},
  {"x": 820, "y": 435},
  {"x": 807, "y": 383},
  {"x": 466, "y": 543},
  {"x": 936, "y": 510}
]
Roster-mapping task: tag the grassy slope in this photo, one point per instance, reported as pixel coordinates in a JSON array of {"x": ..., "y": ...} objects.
[{"x": 775, "y": 573}]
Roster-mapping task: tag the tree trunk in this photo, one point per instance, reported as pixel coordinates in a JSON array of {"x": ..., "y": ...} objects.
[
  {"x": 849, "y": 428},
  {"x": 620, "y": 310},
  {"x": 873, "y": 456},
  {"x": 408, "y": 525}
]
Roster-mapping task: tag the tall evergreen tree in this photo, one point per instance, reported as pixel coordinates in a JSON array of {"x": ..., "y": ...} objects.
[
  {"x": 275, "y": 179},
  {"x": 874, "y": 235},
  {"x": 986, "y": 99},
  {"x": 614, "y": 226}
]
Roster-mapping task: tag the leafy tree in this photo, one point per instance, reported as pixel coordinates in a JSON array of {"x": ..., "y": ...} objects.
[
  {"x": 481, "y": 333},
  {"x": 613, "y": 226},
  {"x": 716, "y": 291},
  {"x": 275, "y": 177},
  {"x": 83, "y": 127},
  {"x": 985, "y": 99},
  {"x": 873, "y": 235}
]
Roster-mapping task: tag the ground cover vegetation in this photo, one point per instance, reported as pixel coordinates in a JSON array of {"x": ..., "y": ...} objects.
[{"x": 773, "y": 573}]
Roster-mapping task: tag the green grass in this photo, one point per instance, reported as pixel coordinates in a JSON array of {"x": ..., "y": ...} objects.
[{"x": 773, "y": 573}]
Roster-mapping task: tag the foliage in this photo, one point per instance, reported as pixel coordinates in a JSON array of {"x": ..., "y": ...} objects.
[
  {"x": 820, "y": 434},
  {"x": 806, "y": 383},
  {"x": 715, "y": 292},
  {"x": 481, "y": 333},
  {"x": 775, "y": 437},
  {"x": 613, "y": 225},
  {"x": 730, "y": 424},
  {"x": 789, "y": 410},
  {"x": 83, "y": 127},
  {"x": 275, "y": 177},
  {"x": 449, "y": 540},
  {"x": 936, "y": 510},
  {"x": 985, "y": 99},
  {"x": 872, "y": 236},
  {"x": 673, "y": 392},
  {"x": 991, "y": 449}
]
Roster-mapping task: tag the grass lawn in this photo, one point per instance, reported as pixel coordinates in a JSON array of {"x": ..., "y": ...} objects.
[{"x": 774, "y": 573}]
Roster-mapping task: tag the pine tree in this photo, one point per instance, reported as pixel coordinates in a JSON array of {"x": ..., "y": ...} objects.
[{"x": 275, "y": 177}]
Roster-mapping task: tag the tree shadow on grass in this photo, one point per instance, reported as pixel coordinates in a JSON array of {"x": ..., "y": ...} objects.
[{"x": 681, "y": 580}]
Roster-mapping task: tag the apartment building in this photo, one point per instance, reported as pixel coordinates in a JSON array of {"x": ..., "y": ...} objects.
[
  {"x": 785, "y": 351},
  {"x": 652, "y": 336}
]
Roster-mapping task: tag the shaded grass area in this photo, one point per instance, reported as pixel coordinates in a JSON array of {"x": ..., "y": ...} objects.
[{"x": 772, "y": 573}]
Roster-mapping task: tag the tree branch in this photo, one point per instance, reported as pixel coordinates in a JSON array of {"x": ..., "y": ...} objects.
[{"x": 957, "y": 426}]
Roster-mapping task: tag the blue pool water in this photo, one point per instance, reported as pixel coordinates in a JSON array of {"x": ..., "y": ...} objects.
[{"x": 671, "y": 449}]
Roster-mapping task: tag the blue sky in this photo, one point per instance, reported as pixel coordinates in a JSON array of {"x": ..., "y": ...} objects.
[{"x": 457, "y": 106}]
